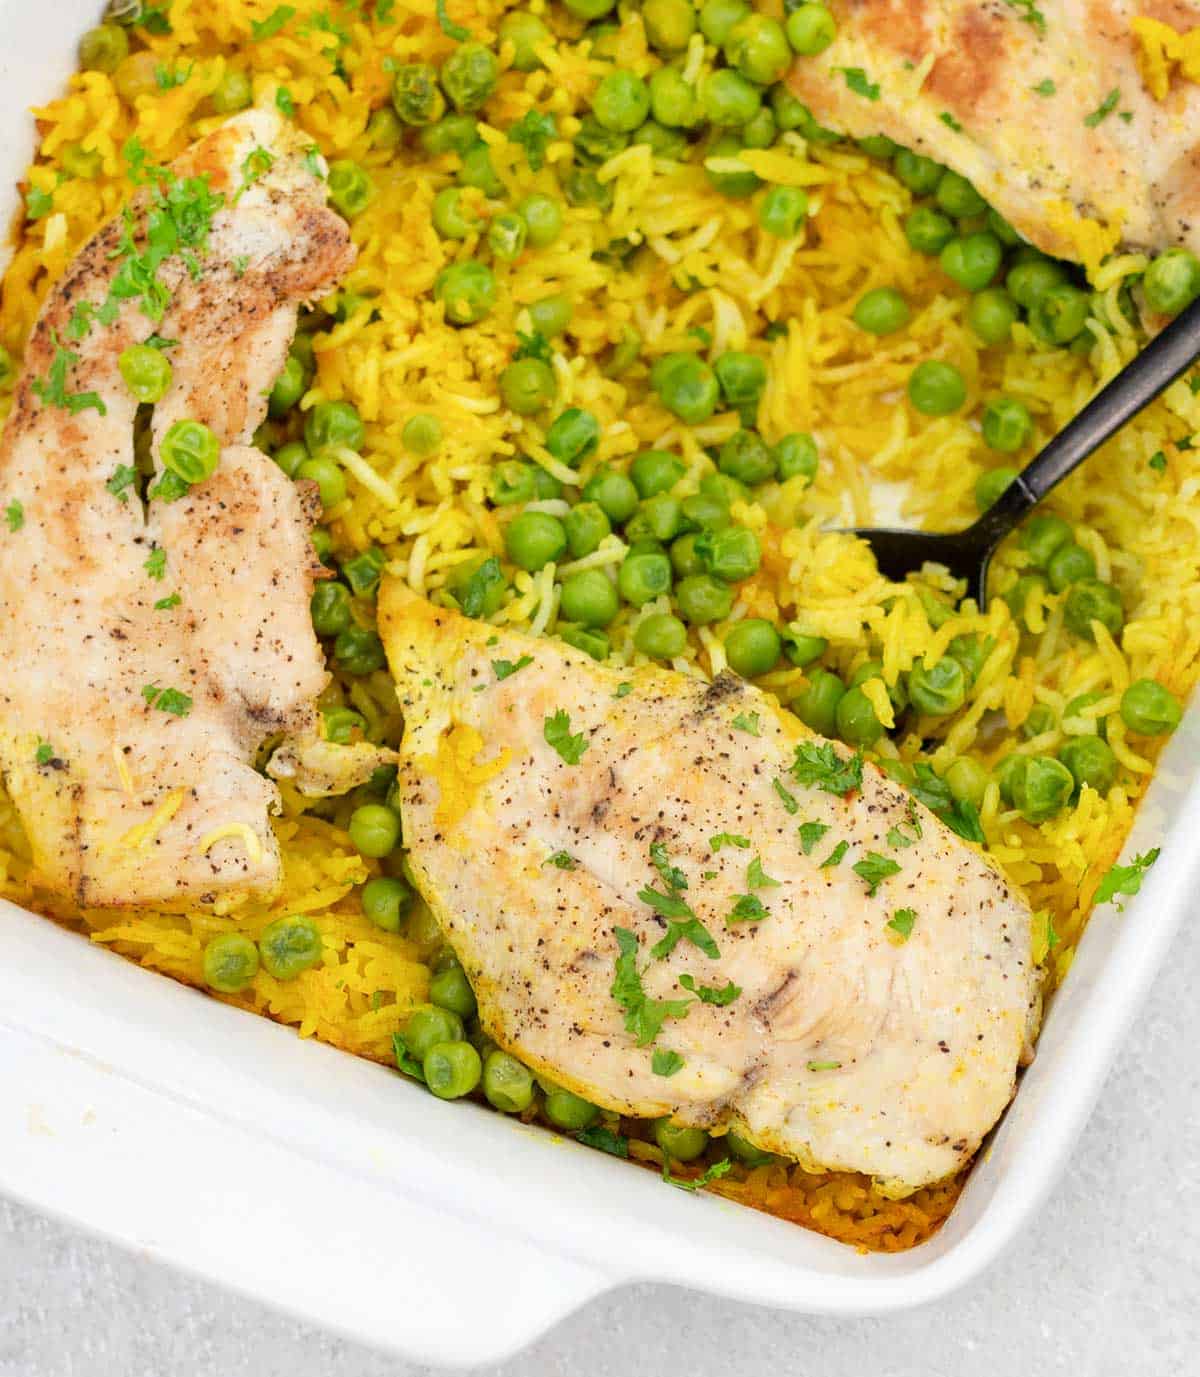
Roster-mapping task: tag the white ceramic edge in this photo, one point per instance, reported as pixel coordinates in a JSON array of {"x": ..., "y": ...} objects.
[{"x": 191, "y": 1131}]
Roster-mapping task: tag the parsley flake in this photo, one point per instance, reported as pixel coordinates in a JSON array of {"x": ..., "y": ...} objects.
[
  {"x": 533, "y": 132},
  {"x": 747, "y": 908},
  {"x": 757, "y": 877},
  {"x": 505, "y": 669},
  {"x": 673, "y": 877},
  {"x": 824, "y": 1065},
  {"x": 899, "y": 840},
  {"x": 156, "y": 562},
  {"x": 271, "y": 25},
  {"x": 643, "y": 1016},
  {"x": 1158, "y": 462},
  {"x": 713, "y": 1173},
  {"x": 710, "y": 994},
  {"x": 165, "y": 604},
  {"x": 38, "y": 203},
  {"x": 284, "y": 101},
  {"x": 721, "y": 839},
  {"x": 1104, "y": 109},
  {"x": 255, "y": 166},
  {"x": 874, "y": 869},
  {"x": 1030, "y": 14},
  {"x": 122, "y": 478},
  {"x": 623, "y": 690},
  {"x": 52, "y": 389},
  {"x": 474, "y": 594},
  {"x": 604, "y": 1139},
  {"x": 959, "y": 816},
  {"x": 167, "y": 700},
  {"x": 14, "y": 515},
  {"x": 561, "y": 860},
  {"x": 1125, "y": 879},
  {"x": 747, "y": 722},
  {"x": 835, "y": 856},
  {"x": 682, "y": 925},
  {"x": 788, "y": 800},
  {"x": 532, "y": 346},
  {"x": 820, "y": 766},
  {"x": 405, "y": 1061},
  {"x": 810, "y": 834},
  {"x": 1044, "y": 88},
  {"x": 858, "y": 82},
  {"x": 665, "y": 1063},
  {"x": 448, "y": 26},
  {"x": 556, "y": 730},
  {"x": 44, "y": 753},
  {"x": 950, "y": 122},
  {"x": 901, "y": 923}
]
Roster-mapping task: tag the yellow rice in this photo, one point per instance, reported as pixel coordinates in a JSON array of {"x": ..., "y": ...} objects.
[{"x": 398, "y": 357}]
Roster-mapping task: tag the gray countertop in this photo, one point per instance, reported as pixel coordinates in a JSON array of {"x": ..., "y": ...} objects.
[{"x": 1105, "y": 1284}]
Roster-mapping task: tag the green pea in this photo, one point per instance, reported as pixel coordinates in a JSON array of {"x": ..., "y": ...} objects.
[
  {"x": 990, "y": 486},
  {"x": 1040, "y": 720},
  {"x": 384, "y": 130},
  {"x": 936, "y": 388},
  {"x": 621, "y": 101},
  {"x": 374, "y": 830},
  {"x": 654, "y": 471},
  {"x": 881, "y": 311},
  {"x": 796, "y": 457},
  {"x": 1091, "y": 600},
  {"x": 729, "y": 490},
  {"x": 290, "y": 946},
  {"x": 789, "y": 112},
  {"x": 429, "y": 1026},
  {"x": 453, "y": 134},
  {"x": 703, "y": 599},
  {"x": 1007, "y": 425},
  {"x": 289, "y": 387},
  {"x": 350, "y": 188},
  {"x": 385, "y": 900},
  {"x": 879, "y": 146},
  {"x": 783, "y": 210},
  {"x": 811, "y": 29},
  {"x": 1042, "y": 788},
  {"x": 333, "y": 423},
  {"x": 597, "y": 143},
  {"x": 662, "y": 142},
  {"x": 732, "y": 554},
  {"x": 1028, "y": 281},
  {"x": 544, "y": 217},
  {"x": 322, "y": 542},
  {"x": 507, "y": 1085},
  {"x": 659, "y": 518},
  {"x": 928, "y": 231},
  {"x": 452, "y": 217},
  {"x": 582, "y": 187},
  {"x": 661, "y": 636},
  {"x": 992, "y": 314},
  {"x": 551, "y": 314},
  {"x": 674, "y": 102},
  {"x": 450, "y": 989},
  {"x": 232, "y": 94},
  {"x": 330, "y": 608},
  {"x": 469, "y": 76},
  {"x": 802, "y": 650},
  {"x": 528, "y": 385},
  {"x": 146, "y": 372},
  {"x": 742, "y": 378},
  {"x": 857, "y": 722},
  {"x": 920, "y": 175},
  {"x": 761, "y": 132},
  {"x": 686, "y": 386},
  {"x": 817, "y": 702},
  {"x": 758, "y": 47},
  {"x": 679, "y": 1143},
  {"x": 1008, "y": 772},
  {"x": 747, "y": 457},
  {"x": 589, "y": 9},
  {"x": 1060, "y": 314},
  {"x": 512, "y": 483},
  {"x": 230, "y": 961},
  {"x": 325, "y": 471},
  {"x": 706, "y": 511},
  {"x": 1172, "y": 281},
  {"x": 593, "y": 643},
  {"x": 753, "y": 647},
  {"x": 742, "y": 1149},
  {"x": 615, "y": 494},
  {"x": 938, "y": 690},
  {"x": 738, "y": 184},
  {"x": 957, "y": 197},
  {"x": 586, "y": 526},
  {"x": 341, "y": 725},
  {"x": 684, "y": 559},
  {"x": 526, "y": 32},
  {"x": 467, "y": 291},
  {"x": 967, "y": 780},
  {"x": 573, "y": 436},
  {"x": 358, "y": 651},
  {"x": 569, "y": 1112},
  {"x": 476, "y": 169},
  {"x": 452, "y": 1069},
  {"x": 1090, "y": 761},
  {"x": 644, "y": 576},
  {"x": 103, "y": 49},
  {"x": 190, "y": 451},
  {"x": 729, "y": 99},
  {"x": 535, "y": 539},
  {"x": 1149, "y": 709},
  {"x": 1017, "y": 597},
  {"x": 422, "y": 434},
  {"x": 589, "y": 598},
  {"x": 1003, "y": 231},
  {"x": 972, "y": 260},
  {"x": 669, "y": 24},
  {"x": 1043, "y": 535},
  {"x": 416, "y": 96},
  {"x": 1068, "y": 565},
  {"x": 289, "y": 457},
  {"x": 718, "y": 18}
]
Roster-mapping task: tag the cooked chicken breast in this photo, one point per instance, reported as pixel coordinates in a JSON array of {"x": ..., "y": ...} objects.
[
  {"x": 596, "y": 841},
  {"x": 1043, "y": 108},
  {"x": 150, "y": 648}
]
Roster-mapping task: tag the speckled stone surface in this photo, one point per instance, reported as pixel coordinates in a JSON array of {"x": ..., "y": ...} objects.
[{"x": 1105, "y": 1284}]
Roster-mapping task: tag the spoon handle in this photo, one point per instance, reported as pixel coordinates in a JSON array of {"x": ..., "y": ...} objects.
[{"x": 1135, "y": 387}]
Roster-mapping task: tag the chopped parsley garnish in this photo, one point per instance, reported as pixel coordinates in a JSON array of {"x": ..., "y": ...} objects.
[
  {"x": 950, "y": 122},
  {"x": 156, "y": 562},
  {"x": 713, "y": 1173},
  {"x": 757, "y": 877},
  {"x": 959, "y": 816},
  {"x": 38, "y": 203},
  {"x": 533, "y": 132},
  {"x": 1125, "y": 879},
  {"x": 665, "y": 1063},
  {"x": 747, "y": 722},
  {"x": 1030, "y": 14},
  {"x": 824, "y": 1065},
  {"x": 383, "y": 11},
  {"x": 615, "y": 1144},
  {"x": 643, "y": 1016},
  {"x": 682, "y": 924},
  {"x": 1158, "y": 462},
  {"x": 810, "y": 834},
  {"x": 901, "y": 923},
  {"x": 721, "y": 839},
  {"x": 53, "y": 388},
  {"x": 561, "y": 860},
  {"x": 532, "y": 346},
  {"x": 167, "y": 78},
  {"x": 1044, "y": 88},
  {"x": 44, "y": 753},
  {"x": 154, "y": 19},
  {"x": 623, "y": 690},
  {"x": 821, "y": 767},
  {"x": 122, "y": 479},
  {"x": 556, "y": 730},
  {"x": 271, "y": 25},
  {"x": 858, "y": 81},
  {"x": 835, "y": 856},
  {"x": 167, "y": 700},
  {"x": 169, "y": 488},
  {"x": 709, "y": 994},
  {"x": 312, "y": 161},
  {"x": 899, "y": 839},
  {"x": 14, "y": 515},
  {"x": 673, "y": 877},
  {"x": 284, "y": 102},
  {"x": 788, "y": 800},
  {"x": 255, "y": 166},
  {"x": 473, "y": 597},
  {"x": 165, "y": 604},
  {"x": 448, "y": 26},
  {"x": 505, "y": 669},
  {"x": 1104, "y": 109},
  {"x": 747, "y": 908},
  {"x": 83, "y": 313},
  {"x": 873, "y": 869},
  {"x": 405, "y": 1061}
]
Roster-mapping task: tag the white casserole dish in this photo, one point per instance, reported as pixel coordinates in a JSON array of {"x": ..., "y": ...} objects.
[{"x": 325, "y": 1185}]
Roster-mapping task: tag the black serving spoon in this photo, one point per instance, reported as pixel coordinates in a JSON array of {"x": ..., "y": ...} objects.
[{"x": 967, "y": 553}]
